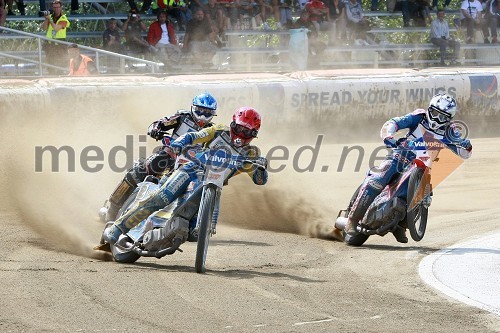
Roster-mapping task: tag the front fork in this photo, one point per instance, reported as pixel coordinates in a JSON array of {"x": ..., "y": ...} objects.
[{"x": 215, "y": 214}]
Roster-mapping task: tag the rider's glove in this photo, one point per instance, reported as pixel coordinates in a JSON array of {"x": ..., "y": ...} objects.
[
  {"x": 176, "y": 148},
  {"x": 390, "y": 142},
  {"x": 155, "y": 131}
]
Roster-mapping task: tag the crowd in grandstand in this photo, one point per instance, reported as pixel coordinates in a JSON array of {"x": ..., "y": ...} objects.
[{"x": 203, "y": 23}]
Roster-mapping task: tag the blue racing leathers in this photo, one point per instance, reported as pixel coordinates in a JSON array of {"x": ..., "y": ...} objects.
[
  {"x": 401, "y": 156},
  {"x": 178, "y": 182}
]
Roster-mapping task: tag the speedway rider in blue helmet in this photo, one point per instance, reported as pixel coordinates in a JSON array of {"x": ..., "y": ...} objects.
[
  {"x": 437, "y": 120},
  {"x": 203, "y": 109},
  {"x": 243, "y": 129}
]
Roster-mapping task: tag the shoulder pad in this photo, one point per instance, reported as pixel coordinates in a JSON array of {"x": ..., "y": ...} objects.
[
  {"x": 221, "y": 127},
  {"x": 183, "y": 112},
  {"x": 418, "y": 112}
]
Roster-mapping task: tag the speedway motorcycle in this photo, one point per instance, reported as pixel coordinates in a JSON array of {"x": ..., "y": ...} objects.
[
  {"x": 406, "y": 199},
  {"x": 164, "y": 231}
]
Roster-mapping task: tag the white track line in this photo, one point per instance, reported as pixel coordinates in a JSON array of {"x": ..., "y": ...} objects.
[{"x": 468, "y": 272}]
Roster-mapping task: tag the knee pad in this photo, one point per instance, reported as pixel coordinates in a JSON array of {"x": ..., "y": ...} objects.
[
  {"x": 176, "y": 184},
  {"x": 366, "y": 195}
]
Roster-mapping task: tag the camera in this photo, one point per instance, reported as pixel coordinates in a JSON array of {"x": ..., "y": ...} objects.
[
  {"x": 43, "y": 13},
  {"x": 133, "y": 15}
]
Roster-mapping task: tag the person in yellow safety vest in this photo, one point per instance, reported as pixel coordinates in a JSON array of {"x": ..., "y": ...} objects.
[
  {"x": 55, "y": 25},
  {"x": 175, "y": 8},
  {"x": 79, "y": 64}
]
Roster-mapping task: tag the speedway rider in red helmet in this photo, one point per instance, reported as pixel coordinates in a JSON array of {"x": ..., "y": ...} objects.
[
  {"x": 244, "y": 127},
  {"x": 203, "y": 109}
]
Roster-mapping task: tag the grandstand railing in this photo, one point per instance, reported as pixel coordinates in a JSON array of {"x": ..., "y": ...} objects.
[{"x": 36, "y": 57}]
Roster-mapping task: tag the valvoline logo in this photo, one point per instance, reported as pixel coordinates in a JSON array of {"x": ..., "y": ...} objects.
[
  {"x": 218, "y": 158},
  {"x": 418, "y": 144}
]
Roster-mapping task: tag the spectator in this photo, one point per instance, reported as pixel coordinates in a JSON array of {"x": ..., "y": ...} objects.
[
  {"x": 55, "y": 25},
  {"x": 161, "y": 36},
  {"x": 199, "y": 39},
  {"x": 285, "y": 12},
  {"x": 492, "y": 17},
  {"x": 134, "y": 27},
  {"x": 79, "y": 64},
  {"x": 315, "y": 45},
  {"x": 440, "y": 36},
  {"x": 215, "y": 14},
  {"x": 230, "y": 10},
  {"x": 356, "y": 22},
  {"x": 247, "y": 10},
  {"x": 180, "y": 10},
  {"x": 472, "y": 17},
  {"x": 111, "y": 39},
  {"x": 3, "y": 13},
  {"x": 272, "y": 8},
  {"x": 20, "y": 6},
  {"x": 420, "y": 12},
  {"x": 319, "y": 14},
  {"x": 404, "y": 7},
  {"x": 338, "y": 18}
]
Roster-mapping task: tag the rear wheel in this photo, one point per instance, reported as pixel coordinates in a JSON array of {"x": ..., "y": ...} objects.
[
  {"x": 358, "y": 239},
  {"x": 205, "y": 219},
  {"x": 416, "y": 217}
]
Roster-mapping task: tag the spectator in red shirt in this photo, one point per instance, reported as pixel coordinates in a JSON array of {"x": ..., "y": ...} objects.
[
  {"x": 319, "y": 14},
  {"x": 161, "y": 36}
]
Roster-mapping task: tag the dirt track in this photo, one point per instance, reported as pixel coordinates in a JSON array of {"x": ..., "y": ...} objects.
[{"x": 269, "y": 269}]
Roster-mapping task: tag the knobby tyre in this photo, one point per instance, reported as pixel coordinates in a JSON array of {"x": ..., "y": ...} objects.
[
  {"x": 416, "y": 217},
  {"x": 205, "y": 216},
  {"x": 358, "y": 239}
]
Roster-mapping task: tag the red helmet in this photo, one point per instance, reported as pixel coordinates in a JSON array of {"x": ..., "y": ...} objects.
[{"x": 245, "y": 126}]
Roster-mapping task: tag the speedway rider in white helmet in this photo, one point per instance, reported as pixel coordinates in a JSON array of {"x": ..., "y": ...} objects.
[{"x": 437, "y": 120}]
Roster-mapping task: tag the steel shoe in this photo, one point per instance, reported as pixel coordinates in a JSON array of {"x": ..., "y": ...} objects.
[{"x": 400, "y": 234}]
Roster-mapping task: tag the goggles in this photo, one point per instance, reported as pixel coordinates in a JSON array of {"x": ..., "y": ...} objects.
[
  {"x": 245, "y": 133},
  {"x": 203, "y": 112},
  {"x": 439, "y": 116}
]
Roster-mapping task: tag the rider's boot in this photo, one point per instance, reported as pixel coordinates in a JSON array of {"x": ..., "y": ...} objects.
[
  {"x": 400, "y": 234},
  {"x": 112, "y": 233},
  {"x": 350, "y": 227},
  {"x": 123, "y": 191}
]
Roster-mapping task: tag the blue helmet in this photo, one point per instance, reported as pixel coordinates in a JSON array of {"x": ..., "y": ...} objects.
[{"x": 204, "y": 108}]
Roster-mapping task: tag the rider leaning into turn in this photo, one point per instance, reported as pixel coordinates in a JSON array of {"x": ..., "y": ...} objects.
[
  {"x": 203, "y": 109},
  {"x": 244, "y": 127},
  {"x": 436, "y": 120}
]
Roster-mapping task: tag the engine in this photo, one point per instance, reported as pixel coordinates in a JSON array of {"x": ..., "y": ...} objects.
[{"x": 161, "y": 238}]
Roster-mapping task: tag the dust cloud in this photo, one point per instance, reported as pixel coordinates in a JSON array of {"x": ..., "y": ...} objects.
[{"x": 61, "y": 206}]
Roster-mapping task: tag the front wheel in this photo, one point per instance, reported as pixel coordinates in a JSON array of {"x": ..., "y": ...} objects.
[
  {"x": 205, "y": 219},
  {"x": 416, "y": 217}
]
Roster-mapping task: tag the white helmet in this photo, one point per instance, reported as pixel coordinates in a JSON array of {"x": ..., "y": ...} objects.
[{"x": 441, "y": 111}]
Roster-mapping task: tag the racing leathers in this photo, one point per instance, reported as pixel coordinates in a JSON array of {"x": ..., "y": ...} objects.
[
  {"x": 400, "y": 157},
  {"x": 178, "y": 182},
  {"x": 155, "y": 164}
]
